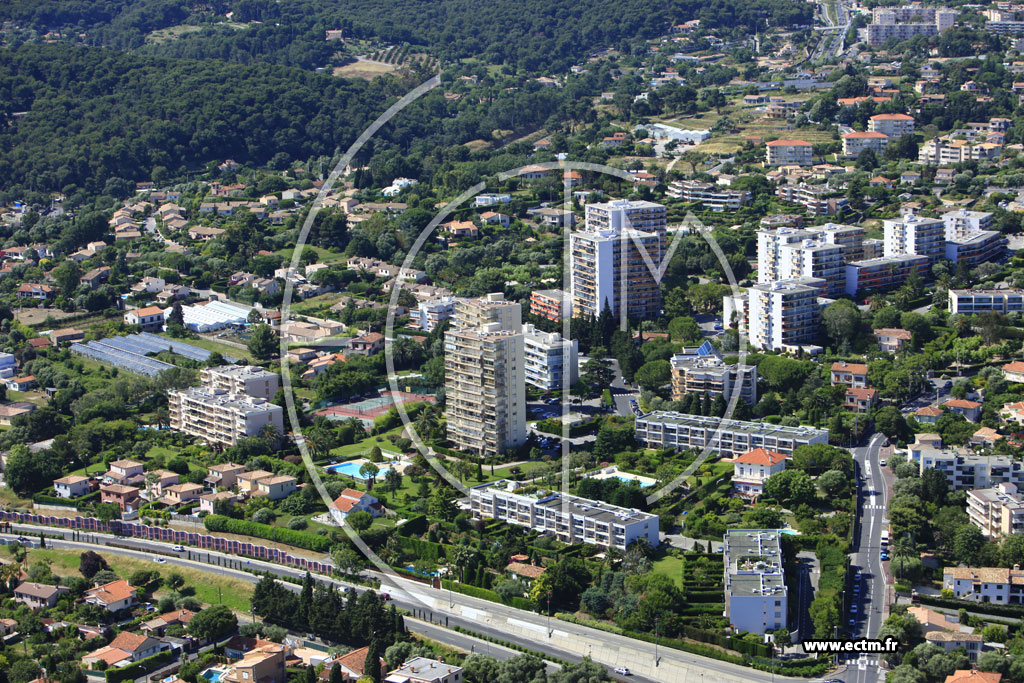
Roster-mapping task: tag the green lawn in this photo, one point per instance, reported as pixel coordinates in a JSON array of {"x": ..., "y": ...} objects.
[
  {"x": 671, "y": 567},
  {"x": 208, "y": 588},
  {"x": 210, "y": 345},
  {"x": 363, "y": 448},
  {"x": 323, "y": 255},
  {"x": 161, "y": 452}
]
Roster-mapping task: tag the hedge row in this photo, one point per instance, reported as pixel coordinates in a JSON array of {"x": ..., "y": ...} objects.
[
  {"x": 139, "y": 668},
  {"x": 705, "y": 650},
  {"x": 299, "y": 539},
  {"x": 703, "y": 596},
  {"x": 1014, "y": 611},
  {"x": 486, "y": 594}
]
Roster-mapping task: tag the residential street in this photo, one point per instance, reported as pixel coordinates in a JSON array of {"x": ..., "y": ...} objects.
[{"x": 872, "y": 598}]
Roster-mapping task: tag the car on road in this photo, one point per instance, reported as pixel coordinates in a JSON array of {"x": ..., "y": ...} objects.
[
  {"x": 623, "y": 671},
  {"x": 853, "y": 609},
  {"x": 178, "y": 548},
  {"x": 885, "y": 555},
  {"x": 159, "y": 560}
]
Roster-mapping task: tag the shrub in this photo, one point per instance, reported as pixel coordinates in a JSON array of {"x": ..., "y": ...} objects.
[{"x": 299, "y": 539}]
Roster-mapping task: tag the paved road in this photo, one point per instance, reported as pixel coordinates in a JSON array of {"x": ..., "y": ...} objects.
[
  {"x": 866, "y": 559},
  {"x": 419, "y": 626},
  {"x": 557, "y": 638}
]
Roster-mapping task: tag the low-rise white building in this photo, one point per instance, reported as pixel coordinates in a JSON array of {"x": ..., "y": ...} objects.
[
  {"x": 756, "y": 598},
  {"x": 997, "y": 511},
  {"x": 679, "y": 431},
  {"x": 569, "y": 518},
  {"x": 986, "y": 584},
  {"x": 752, "y": 469}
]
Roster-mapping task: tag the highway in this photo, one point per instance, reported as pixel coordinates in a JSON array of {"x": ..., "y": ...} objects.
[
  {"x": 866, "y": 559},
  {"x": 553, "y": 637}
]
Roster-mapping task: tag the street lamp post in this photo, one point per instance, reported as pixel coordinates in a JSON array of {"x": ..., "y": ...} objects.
[
  {"x": 549, "y": 613},
  {"x": 655, "y": 641}
]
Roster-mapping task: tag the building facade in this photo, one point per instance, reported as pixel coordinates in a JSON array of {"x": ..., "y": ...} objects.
[
  {"x": 547, "y": 355},
  {"x": 756, "y": 599},
  {"x": 915, "y": 235},
  {"x": 221, "y": 417},
  {"x": 996, "y": 511},
  {"x": 788, "y": 153},
  {"x": 569, "y": 518},
  {"x": 679, "y": 431},
  {"x": 552, "y": 304},
  {"x": 783, "y": 313},
  {"x": 248, "y": 380},
  {"x": 974, "y": 301},
  {"x": 886, "y": 272},
  {"x": 708, "y": 375},
  {"x": 485, "y": 383}
]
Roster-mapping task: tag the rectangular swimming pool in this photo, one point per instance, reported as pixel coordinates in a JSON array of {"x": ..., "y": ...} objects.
[{"x": 351, "y": 469}]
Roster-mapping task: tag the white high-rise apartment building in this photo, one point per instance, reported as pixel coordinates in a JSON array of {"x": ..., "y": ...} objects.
[
  {"x": 221, "y": 417},
  {"x": 815, "y": 259},
  {"x": 616, "y": 236},
  {"x": 485, "y": 385},
  {"x": 547, "y": 355},
  {"x": 769, "y": 251},
  {"x": 779, "y": 250},
  {"x": 783, "y": 313},
  {"x": 915, "y": 235},
  {"x": 626, "y": 213},
  {"x": 484, "y": 310},
  {"x": 249, "y": 380}
]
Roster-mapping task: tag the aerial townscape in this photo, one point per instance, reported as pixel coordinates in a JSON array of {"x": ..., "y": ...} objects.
[{"x": 549, "y": 341}]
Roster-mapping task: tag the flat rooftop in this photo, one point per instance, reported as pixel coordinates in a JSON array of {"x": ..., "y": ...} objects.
[{"x": 733, "y": 426}]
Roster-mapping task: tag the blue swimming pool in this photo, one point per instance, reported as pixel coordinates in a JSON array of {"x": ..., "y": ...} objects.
[
  {"x": 351, "y": 469},
  {"x": 630, "y": 480},
  {"x": 212, "y": 675}
]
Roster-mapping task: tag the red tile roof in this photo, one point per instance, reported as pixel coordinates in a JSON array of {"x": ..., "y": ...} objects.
[
  {"x": 852, "y": 368},
  {"x": 760, "y": 456},
  {"x": 962, "y": 403}
]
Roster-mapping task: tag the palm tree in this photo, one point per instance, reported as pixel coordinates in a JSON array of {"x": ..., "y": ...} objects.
[
  {"x": 463, "y": 556},
  {"x": 902, "y": 548},
  {"x": 426, "y": 424}
]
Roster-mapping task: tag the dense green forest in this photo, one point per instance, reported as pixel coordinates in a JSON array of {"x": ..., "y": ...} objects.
[
  {"x": 531, "y": 35},
  {"x": 95, "y": 114}
]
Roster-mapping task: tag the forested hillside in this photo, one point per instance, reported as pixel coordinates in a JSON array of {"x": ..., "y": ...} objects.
[
  {"x": 94, "y": 114},
  {"x": 535, "y": 35}
]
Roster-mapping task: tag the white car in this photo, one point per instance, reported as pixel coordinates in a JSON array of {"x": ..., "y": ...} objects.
[
  {"x": 178, "y": 548},
  {"x": 882, "y": 462},
  {"x": 623, "y": 671},
  {"x": 159, "y": 560}
]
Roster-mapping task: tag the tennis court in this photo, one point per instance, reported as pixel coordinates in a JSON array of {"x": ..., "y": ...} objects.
[{"x": 369, "y": 408}]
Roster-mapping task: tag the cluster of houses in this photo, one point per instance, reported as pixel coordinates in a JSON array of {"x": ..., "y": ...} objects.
[
  {"x": 247, "y": 659},
  {"x": 129, "y": 485}
]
